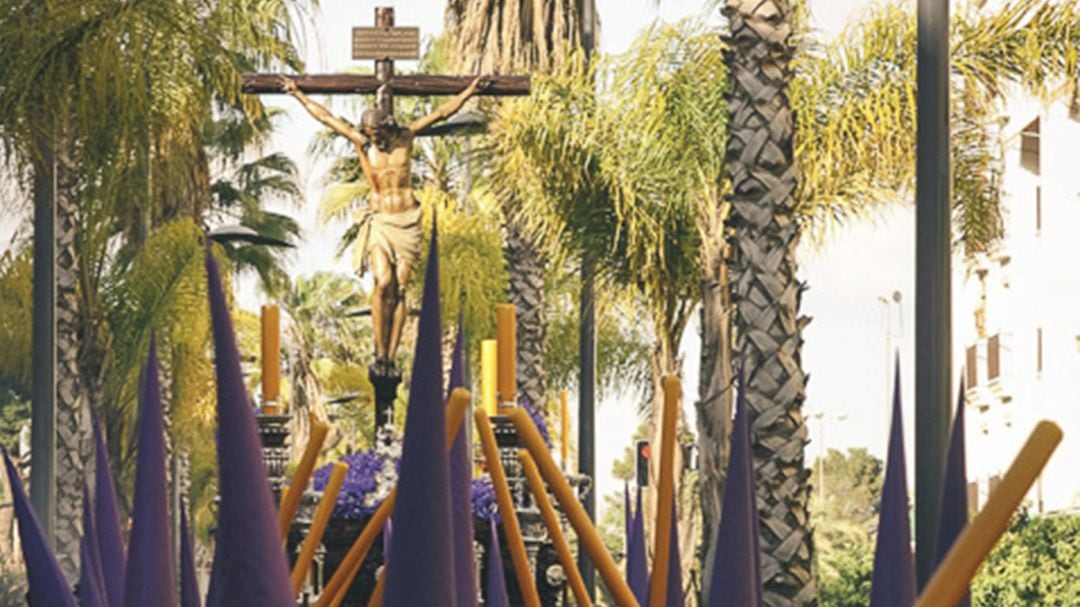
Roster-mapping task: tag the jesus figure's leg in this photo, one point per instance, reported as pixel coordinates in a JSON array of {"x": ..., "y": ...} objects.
[
  {"x": 403, "y": 271},
  {"x": 382, "y": 303}
]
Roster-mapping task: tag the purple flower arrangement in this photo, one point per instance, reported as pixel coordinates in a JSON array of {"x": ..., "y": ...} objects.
[
  {"x": 370, "y": 477},
  {"x": 483, "y": 500}
]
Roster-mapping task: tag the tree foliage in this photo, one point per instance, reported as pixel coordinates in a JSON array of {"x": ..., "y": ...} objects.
[
  {"x": 1033, "y": 564},
  {"x": 845, "y": 507},
  {"x": 855, "y": 98},
  {"x": 849, "y": 583}
]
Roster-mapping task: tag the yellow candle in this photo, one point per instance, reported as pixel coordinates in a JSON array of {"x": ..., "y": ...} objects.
[
  {"x": 489, "y": 378},
  {"x": 318, "y": 526},
  {"x": 551, "y": 520},
  {"x": 951, "y": 579},
  {"x": 291, "y": 500},
  {"x": 336, "y": 588},
  {"x": 506, "y": 323},
  {"x": 506, "y": 511},
  {"x": 588, "y": 537},
  {"x": 271, "y": 358},
  {"x": 665, "y": 494},
  {"x": 564, "y": 419}
]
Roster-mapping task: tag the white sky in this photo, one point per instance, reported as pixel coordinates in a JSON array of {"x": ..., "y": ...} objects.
[
  {"x": 845, "y": 345},
  {"x": 845, "y": 350}
]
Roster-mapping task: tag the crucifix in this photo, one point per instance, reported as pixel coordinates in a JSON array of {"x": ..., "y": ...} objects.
[{"x": 389, "y": 234}]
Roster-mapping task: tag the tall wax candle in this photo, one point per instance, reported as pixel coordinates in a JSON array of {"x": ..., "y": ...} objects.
[
  {"x": 588, "y": 536},
  {"x": 489, "y": 378},
  {"x": 271, "y": 357},
  {"x": 665, "y": 494},
  {"x": 506, "y": 323}
]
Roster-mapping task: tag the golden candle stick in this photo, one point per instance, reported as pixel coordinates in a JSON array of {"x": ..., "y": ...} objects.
[
  {"x": 290, "y": 502},
  {"x": 334, "y": 591},
  {"x": 551, "y": 520},
  {"x": 270, "y": 322},
  {"x": 588, "y": 537},
  {"x": 564, "y": 420},
  {"x": 376, "y": 595},
  {"x": 506, "y": 510},
  {"x": 489, "y": 376},
  {"x": 665, "y": 494},
  {"x": 952, "y": 578},
  {"x": 506, "y": 329},
  {"x": 318, "y": 526}
]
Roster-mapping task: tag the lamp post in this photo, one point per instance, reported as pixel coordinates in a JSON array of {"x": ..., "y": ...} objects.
[
  {"x": 933, "y": 305},
  {"x": 587, "y": 351}
]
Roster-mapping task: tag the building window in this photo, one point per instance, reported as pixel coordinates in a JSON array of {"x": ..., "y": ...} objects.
[
  {"x": 971, "y": 367},
  {"x": 1029, "y": 147},
  {"x": 993, "y": 357}
]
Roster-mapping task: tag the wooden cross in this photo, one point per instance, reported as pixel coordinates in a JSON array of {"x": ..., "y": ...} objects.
[{"x": 384, "y": 43}]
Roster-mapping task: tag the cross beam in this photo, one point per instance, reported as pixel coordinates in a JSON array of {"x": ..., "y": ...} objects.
[
  {"x": 384, "y": 43},
  {"x": 400, "y": 84}
]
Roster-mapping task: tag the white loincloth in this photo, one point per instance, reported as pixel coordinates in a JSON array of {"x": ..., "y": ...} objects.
[{"x": 398, "y": 235}]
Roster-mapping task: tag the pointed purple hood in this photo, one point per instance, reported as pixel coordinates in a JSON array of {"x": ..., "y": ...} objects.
[
  {"x": 423, "y": 536},
  {"x": 150, "y": 557},
  {"x": 249, "y": 563},
  {"x": 47, "y": 584},
  {"x": 189, "y": 583},
  {"x": 91, "y": 582},
  {"x": 736, "y": 574},
  {"x": 637, "y": 564},
  {"x": 893, "y": 581},
  {"x": 110, "y": 538},
  {"x": 460, "y": 483},
  {"x": 495, "y": 588},
  {"x": 954, "y": 506}
]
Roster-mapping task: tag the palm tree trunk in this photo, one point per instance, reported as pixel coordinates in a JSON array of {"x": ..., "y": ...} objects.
[
  {"x": 72, "y": 417},
  {"x": 715, "y": 393},
  {"x": 766, "y": 292},
  {"x": 526, "y": 268}
]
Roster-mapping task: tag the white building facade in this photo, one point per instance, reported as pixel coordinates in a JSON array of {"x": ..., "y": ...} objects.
[{"x": 1017, "y": 310}]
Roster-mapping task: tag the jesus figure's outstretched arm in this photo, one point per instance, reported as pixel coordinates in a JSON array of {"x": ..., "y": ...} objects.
[
  {"x": 323, "y": 115},
  {"x": 451, "y": 107}
]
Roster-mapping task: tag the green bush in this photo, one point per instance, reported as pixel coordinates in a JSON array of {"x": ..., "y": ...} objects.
[
  {"x": 1035, "y": 563},
  {"x": 849, "y": 586}
]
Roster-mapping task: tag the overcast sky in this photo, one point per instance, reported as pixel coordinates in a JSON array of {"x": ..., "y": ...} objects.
[
  {"x": 846, "y": 344},
  {"x": 845, "y": 350}
]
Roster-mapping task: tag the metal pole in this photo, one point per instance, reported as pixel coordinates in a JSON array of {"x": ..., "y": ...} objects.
[
  {"x": 587, "y": 351},
  {"x": 933, "y": 335},
  {"x": 43, "y": 349},
  {"x": 587, "y": 408}
]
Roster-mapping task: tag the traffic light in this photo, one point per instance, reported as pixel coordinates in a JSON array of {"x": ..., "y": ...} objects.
[{"x": 642, "y": 452}]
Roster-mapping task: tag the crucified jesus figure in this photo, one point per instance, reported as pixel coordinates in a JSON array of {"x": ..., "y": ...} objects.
[{"x": 389, "y": 236}]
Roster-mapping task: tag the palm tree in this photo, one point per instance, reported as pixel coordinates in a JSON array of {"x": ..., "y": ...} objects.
[
  {"x": 854, "y": 144},
  {"x": 327, "y": 345},
  {"x": 506, "y": 36},
  {"x": 109, "y": 102},
  {"x": 765, "y": 289},
  {"x": 627, "y": 172}
]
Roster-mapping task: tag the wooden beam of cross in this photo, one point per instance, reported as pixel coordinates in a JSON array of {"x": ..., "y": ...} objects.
[{"x": 385, "y": 43}]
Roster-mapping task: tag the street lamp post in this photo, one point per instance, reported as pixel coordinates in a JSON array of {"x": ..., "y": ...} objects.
[
  {"x": 587, "y": 352},
  {"x": 933, "y": 305}
]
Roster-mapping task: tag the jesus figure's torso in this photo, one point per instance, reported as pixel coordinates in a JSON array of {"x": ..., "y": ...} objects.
[{"x": 391, "y": 174}]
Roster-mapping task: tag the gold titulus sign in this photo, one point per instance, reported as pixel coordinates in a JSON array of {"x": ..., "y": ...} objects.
[{"x": 386, "y": 43}]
